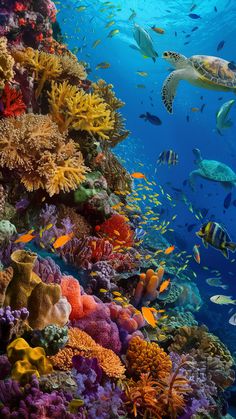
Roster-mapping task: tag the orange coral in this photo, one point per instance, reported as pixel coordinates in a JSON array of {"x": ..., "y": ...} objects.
[
  {"x": 80, "y": 343},
  {"x": 82, "y": 305},
  {"x": 117, "y": 231},
  {"x": 146, "y": 289},
  {"x": 147, "y": 357},
  {"x": 41, "y": 156}
]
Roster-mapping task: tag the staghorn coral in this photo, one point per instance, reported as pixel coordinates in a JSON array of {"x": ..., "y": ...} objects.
[
  {"x": 71, "y": 67},
  {"x": 104, "y": 90},
  {"x": 147, "y": 357},
  {"x": 117, "y": 231},
  {"x": 74, "y": 109},
  {"x": 80, "y": 343},
  {"x": 32, "y": 146},
  {"x": 5, "y": 279},
  {"x": 27, "y": 361},
  {"x": 6, "y": 63},
  {"x": 44, "y": 66},
  {"x": 12, "y": 102}
]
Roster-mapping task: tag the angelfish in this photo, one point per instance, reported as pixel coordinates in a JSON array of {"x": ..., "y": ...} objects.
[{"x": 222, "y": 120}]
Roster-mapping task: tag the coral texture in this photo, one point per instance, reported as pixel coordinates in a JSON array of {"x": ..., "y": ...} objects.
[
  {"x": 51, "y": 339},
  {"x": 6, "y": 63},
  {"x": 12, "y": 324}
]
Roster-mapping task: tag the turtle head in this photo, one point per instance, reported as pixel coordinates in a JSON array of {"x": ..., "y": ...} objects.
[
  {"x": 175, "y": 59},
  {"x": 198, "y": 156}
]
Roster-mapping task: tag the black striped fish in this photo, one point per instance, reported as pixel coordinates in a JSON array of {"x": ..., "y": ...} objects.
[
  {"x": 168, "y": 157},
  {"x": 214, "y": 234}
]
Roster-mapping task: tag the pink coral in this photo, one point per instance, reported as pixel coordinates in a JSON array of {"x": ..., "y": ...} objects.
[{"x": 82, "y": 305}]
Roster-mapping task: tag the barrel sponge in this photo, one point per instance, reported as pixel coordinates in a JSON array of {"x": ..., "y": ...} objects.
[{"x": 27, "y": 361}]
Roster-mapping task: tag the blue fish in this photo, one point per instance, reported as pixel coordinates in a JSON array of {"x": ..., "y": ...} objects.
[
  {"x": 195, "y": 28},
  {"x": 153, "y": 119},
  {"x": 220, "y": 45},
  {"x": 194, "y": 16}
]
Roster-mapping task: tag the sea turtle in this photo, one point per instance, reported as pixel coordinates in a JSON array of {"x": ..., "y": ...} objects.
[
  {"x": 200, "y": 70},
  {"x": 212, "y": 170}
]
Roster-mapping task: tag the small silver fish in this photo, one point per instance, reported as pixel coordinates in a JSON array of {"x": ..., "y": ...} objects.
[
  {"x": 216, "y": 282},
  {"x": 232, "y": 320}
]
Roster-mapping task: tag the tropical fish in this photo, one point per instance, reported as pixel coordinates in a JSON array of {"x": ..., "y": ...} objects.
[
  {"x": 214, "y": 234},
  {"x": 232, "y": 320},
  {"x": 148, "y": 316},
  {"x": 96, "y": 43},
  {"x": 62, "y": 240},
  {"x": 194, "y": 16},
  {"x": 141, "y": 86},
  {"x": 195, "y": 109},
  {"x": 142, "y": 73},
  {"x": 103, "y": 290},
  {"x": 193, "y": 7},
  {"x": 216, "y": 282},
  {"x": 153, "y": 119},
  {"x": 109, "y": 24},
  {"x": 103, "y": 65},
  {"x": 220, "y": 45},
  {"x": 222, "y": 299},
  {"x": 144, "y": 42},
  {"x": 133, "y": 14},
  {"x": 196, "y": 253},
  {"x": 215, "y": 9},
  {"x": 168, "y": 157},
  {"x": 222, "y": 120},
  {"x": 169, "y": 250},
  {"x": 158, "y": 30},
  {"x": 81, "y": 8},
  {"x": 113, "y": 33},
  {"x": 202, "y": 107},
  {"x": 164, "y": 285},
  {"x": 195, "y": 28},
  {"x": 25, "y": 238},
  {"x": 227, "y": 200},
  {"x": 138, "y": 175}
]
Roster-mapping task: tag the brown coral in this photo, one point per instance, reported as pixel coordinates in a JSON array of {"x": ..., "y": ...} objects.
[
  {"x": 71, "y": 67},
  {"x": 33, "y": 147},
  {"x": 5, "y": 279},
  {"x": 147, "y": 357},
  {"x": 45, "y": 66},
  {"x": 80, "y": 343},
  {"x": 81, "y": 227},
  {"x": 6, "y": 63},
  {"x": 72, "y": 108}
]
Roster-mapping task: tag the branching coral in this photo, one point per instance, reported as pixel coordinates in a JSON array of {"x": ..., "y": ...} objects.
[
  {"x": 6, "y": 63},
  {"x": 33, "y": 147},
  {"x": 80, "y": 343},
  {"x": 71, "y": 67},
  {"x": 117, "y": 231},
  {"x": 45, "y": 66},
  {"x": 72, "y": 108},
  {"x": 147, "y": 357},
  {"x": 12, "y": 102}
]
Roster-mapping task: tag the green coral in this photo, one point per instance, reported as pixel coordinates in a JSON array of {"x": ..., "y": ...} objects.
[{"x": 51, "y": 339}]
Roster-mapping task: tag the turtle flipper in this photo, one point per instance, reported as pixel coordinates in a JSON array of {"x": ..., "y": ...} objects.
[
  {"x": 192, "y": 177},
  {"x": 169, "y": 89}
]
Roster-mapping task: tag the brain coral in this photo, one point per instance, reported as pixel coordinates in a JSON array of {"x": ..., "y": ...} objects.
[{"x": 147, "y": 357}]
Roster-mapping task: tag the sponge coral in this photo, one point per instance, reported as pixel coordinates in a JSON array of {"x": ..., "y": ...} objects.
[
  {"x": 27, "y": 361},
  {"x": 42, "y": 157},
  {"x": 72, "y": 108},
  {"x": 147, "y": 357},
  {"x": 6, "y": 63},
  {"x": 80, "y": 343},
  {"x": 117, "y": 231}
]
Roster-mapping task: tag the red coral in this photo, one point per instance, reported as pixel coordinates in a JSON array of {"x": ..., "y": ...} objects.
[
  {"x": 117, "y": 231},
  {"x": 12, "y": 101}
]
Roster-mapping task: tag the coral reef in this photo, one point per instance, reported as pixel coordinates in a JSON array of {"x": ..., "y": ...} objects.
[
  {"x": 6, "y": 64},
  {"x": 146, "y": 289},
  {"x": 5, "y": 279},
  {"x": 12, "y": 324},
  {"x": 51, "y": 339},
  {"x": 117, "y": 231}
]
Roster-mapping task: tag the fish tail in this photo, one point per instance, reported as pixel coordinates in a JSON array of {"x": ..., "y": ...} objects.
[
  {"x": 231, "y": 246},
  {"x": 225, "y": 287}
]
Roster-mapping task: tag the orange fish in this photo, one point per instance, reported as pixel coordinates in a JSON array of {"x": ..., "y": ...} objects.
[
  {"x": 62, "y": 240},
  {"x": 169, "y": 250},
  {"x": 196, "y": 253},
  {"x": 25, "y": 238},
  {"x": 158, "y": 30},
  {"x": 148, "y": 316},
  {"x": 138, "y": 175},
  {"x": 164, "y": 285},
  {"x": 99, "y": 158}
]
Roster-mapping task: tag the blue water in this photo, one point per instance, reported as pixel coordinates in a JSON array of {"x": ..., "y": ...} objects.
[{"x": 146, "y": 141}]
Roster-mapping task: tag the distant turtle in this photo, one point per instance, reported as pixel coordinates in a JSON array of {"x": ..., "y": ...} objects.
[
  {"x": 212, "y": 170},
  {"x": 199, "y": 70}
]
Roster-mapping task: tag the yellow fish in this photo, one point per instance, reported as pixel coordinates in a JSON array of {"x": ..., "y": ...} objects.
[
  {"x": 96, "y": 43},
  {"x": 110, "y": 24},
  {"x": 113, "y": 33},
  {"x": 142, "y": 73},
  {"x": 81, "y": 8}
]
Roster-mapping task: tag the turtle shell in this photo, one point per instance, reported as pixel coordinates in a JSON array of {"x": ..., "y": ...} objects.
[
  {"x": 214, "y": 69},
  {"x": 217, "y": 171}
]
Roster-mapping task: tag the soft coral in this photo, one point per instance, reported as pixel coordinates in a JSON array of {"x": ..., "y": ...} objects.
[{"x": 12, "y": 102}]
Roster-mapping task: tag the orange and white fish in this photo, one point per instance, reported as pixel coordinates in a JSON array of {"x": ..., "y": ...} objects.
[
  {"x": 25, "y": 238},
  {"x": 169, "y": 250},
  {"x": 196, "y": 253},
  {"x": 62, "y": 240},
  {"x": 164, "y": 285},
  {"x": 148, "y": 316}
]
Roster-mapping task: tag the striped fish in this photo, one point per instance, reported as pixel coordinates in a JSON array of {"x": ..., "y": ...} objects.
[
  {"x": 168, "y": 157},
  {"x": 214, "y": 234}
]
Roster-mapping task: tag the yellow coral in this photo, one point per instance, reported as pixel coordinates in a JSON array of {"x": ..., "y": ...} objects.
[
  {"x": 72, "y": 108},
  {"x": 6, "y": 64},
  {"x": 42, "y": 157},
  {"x": 27, "y": 361},
  {"x": 147, "y": 357},
  {"x": 45, "y": 66},
  {"x": 80, "y": 343},
  {"x": 71, "y": 67}
]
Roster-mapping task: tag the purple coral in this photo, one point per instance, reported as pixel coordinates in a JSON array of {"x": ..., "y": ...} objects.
[
  {"x": 5, "y": 367},
  {"x": 12, "y": 324},
  {"x": 31, "y": 402},
  {"x": 104, "y": 274},
  {"x": 47, "y": 270}
]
